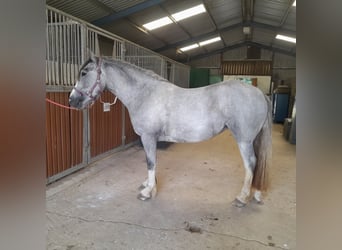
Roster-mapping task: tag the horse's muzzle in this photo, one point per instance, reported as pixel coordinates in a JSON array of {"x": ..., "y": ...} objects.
[{"x": 76, "y": 101}]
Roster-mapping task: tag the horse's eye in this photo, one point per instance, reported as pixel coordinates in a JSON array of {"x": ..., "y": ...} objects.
[{"x": 83, "y": 73}]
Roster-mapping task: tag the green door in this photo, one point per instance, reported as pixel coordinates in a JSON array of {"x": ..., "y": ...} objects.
[{"x": 199, "y": 77}]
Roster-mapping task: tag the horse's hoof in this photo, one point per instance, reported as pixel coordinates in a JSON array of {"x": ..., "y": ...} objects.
[
  {"x": 238, "y": 203},
  {"x": 258, "y": 197},
  {"x": 142, "y": 197},
  {"x": 145, "y": 184},
  {"x": 259, "y": 202}
]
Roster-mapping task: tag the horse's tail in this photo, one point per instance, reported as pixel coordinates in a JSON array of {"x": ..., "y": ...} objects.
[{"x": 263, "y": 152}]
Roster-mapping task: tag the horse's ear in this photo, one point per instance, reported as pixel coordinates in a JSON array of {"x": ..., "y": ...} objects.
[{"x": 92, "y": 56}]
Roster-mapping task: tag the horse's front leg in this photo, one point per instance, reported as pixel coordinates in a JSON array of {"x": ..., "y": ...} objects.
[{"x": 149, "y": 188}]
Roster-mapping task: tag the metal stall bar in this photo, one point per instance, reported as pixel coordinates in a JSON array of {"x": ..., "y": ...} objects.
[
  {"x": 47, "y": 50},
  {"x": 64, "y": 127}
]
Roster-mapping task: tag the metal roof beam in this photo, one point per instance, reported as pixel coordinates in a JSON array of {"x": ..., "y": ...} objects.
[
  {"x": 287, "y": 12},
  {"x": 218, "y": 51},
  {"x": 242, "y": 44},
  {"x": 212, "y": 19},
  {"x": 126, "y": 12}
]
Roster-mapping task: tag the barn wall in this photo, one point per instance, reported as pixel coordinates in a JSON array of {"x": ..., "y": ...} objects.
[
  {"x": 235, "y": 54},
  {"x": 283, "y": 68},
  {"x": 64, "y": 138},
  {"x": 105, "y": 127},
  {"x": 213, "y": 61},
  {"x": 250, "y": 67}
]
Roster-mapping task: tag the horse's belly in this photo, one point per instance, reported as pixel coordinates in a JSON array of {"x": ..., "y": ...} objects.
[{"x": 191, "y": 133}]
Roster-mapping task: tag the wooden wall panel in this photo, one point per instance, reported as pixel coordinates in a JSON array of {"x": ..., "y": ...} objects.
[
  {"x": 105, "y": 127},
  {"x": 64, "y": 131},
  {"x": 64, "y": 142},
  {"x": 249, "y": 67}
]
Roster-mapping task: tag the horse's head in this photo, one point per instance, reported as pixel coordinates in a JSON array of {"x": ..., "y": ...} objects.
[{"x": 89, "y": 86}]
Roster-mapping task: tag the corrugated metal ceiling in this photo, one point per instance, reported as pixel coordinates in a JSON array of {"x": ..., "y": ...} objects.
[
  {"x": 225, "y": 12},
  {"x": 83, "y": 9},
  {"x": 119, "y": 5},
  {"x": 223, "y": 17},
  {"x": 270, "y": 12}
]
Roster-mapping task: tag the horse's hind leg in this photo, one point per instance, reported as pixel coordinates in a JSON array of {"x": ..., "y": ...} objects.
[
  {"x": 149, "y": 188},
  {"x": 249, "y": 161},
  {"x": 258, "y": 197}
]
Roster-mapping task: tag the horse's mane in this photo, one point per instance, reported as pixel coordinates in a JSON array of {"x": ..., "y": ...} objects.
[{"x": 124, "y": 65}]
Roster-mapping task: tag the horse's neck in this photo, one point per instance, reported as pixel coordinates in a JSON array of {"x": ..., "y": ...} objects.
[{"x": 129, "y": 88}]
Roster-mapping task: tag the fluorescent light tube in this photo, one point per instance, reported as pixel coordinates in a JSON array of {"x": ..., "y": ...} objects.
[
  {"x": 286, "y": 38},
  {"x": 192, "y": 46},
  {"x": 294, "y": 3},
  {"x": 212, "y": 40},
  {"x": 157, "y": 23},
  {"x": 189, "y": 12}
]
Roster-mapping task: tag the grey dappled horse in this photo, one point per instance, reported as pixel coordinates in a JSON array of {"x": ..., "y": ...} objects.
[{"x": 162, "y": 111}]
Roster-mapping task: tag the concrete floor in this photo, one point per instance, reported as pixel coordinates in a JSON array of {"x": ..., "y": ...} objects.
[{"x": 97, "y": 208}]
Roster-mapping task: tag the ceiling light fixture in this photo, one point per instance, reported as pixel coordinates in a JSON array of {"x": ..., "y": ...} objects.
[
  {"x": 209, "y": 41},
  {"x": 157, "y": 23},
  {"x": 189, "y": 12},
  {"x": 286, "y": 38},
  {"x": 176, "y": 16},
  {"x": 192, "y": 46},
  {"x": 203, "y": 43},
  {"x": 294, "y": 3},
  {"x": 246, "y": 30}
]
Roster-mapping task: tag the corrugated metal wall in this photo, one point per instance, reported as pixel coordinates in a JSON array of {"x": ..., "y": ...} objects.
[
  {"x": 284, "y": 67},
  {"x": 213, "y": 61},
  {"x": 235, "y": 54}
]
